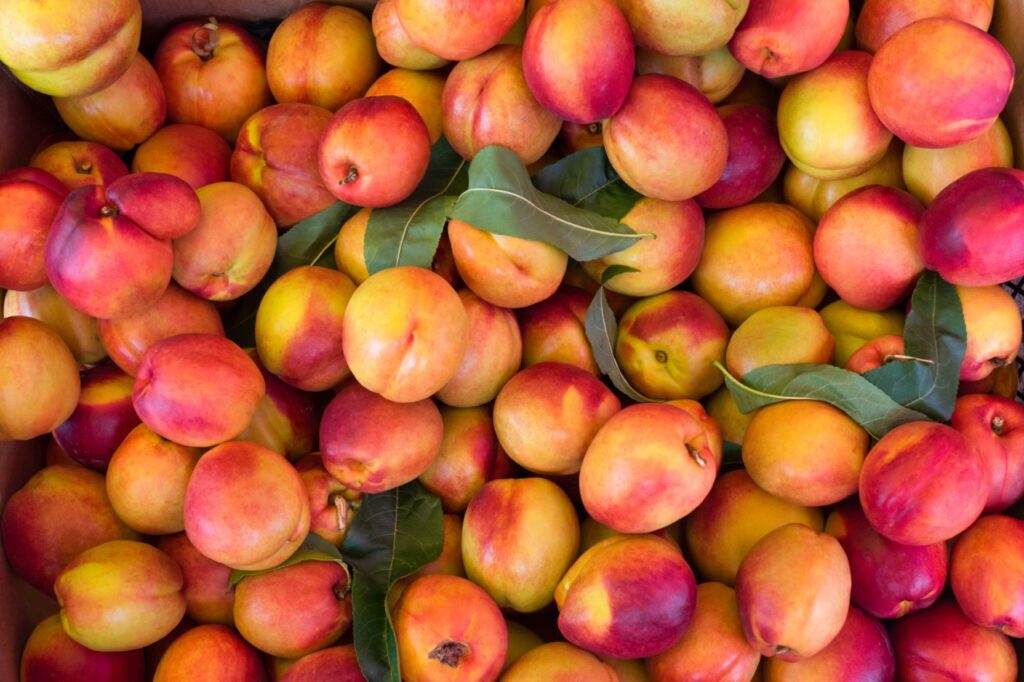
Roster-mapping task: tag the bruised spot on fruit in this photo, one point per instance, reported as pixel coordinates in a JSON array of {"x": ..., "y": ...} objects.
[
  {"x": 205, "y": 39},
  {"x": 449, "y": 653}
]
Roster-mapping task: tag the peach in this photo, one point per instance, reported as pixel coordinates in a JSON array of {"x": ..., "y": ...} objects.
[
  {"x": 323, "y": 55},
  {"x": 648, "y": 466},
  {"x": 336, "y": 663},
  {"x": 784, "y": 38},
  {"x": 102, "y": 262},
  {"x": 78, "y": 164},
  {"x": 102, "y": 419},
  {"x": 826, "y": 124},
  {"x": 966, "y": 233},
  {"x": 213, "y": 74},
  {"x": 50, "y": 654},
  {"x": 689, "y": 29},
  {"x": 457, "y": 29},
  {"x": 814, "y": 196},
  {"x": 991, "y": 423},
  {"x": 712, "y": 431},
  {"x": 941, "y": 643},
  {"x": 627, "y": 670},
  {"x": 889, "y": 580},
  {"x": 121, "y": 115},
  {"x": 754, "y": 257},
  {"x": 162, "y": 205},
  {"x": 506, "y": 271},
  {"x": 405, "y": 333},
  {"x": 146, "y": 481},
  {"x": 553, "y": 330},
  {"x": 374, "y": 151},
  {"x": 520, "y": 641},
  {"x": 592, "y": 532},
  {"x": 793, "y": 591},
  {"x": 929, "y": 171},
  {"x": 349, "y": 254},
  {"x": 119, "y": 596},
  {"x": 486, "y": 101},
  {"x": 372, "y": 444},
  {"x": 295, "y": 610},
  {"x": 930, "y": 473},
  {"x": 332, "y": 506},
  {"x": 853, "y": 327},
  {"x": 993, "y": 331},
  {"x": 197, "y": 389},
  {"x": 860, "y": 651},
  {"x": 41, "y": 536},
  {"x": 246, "y": 506},
  {"x": 807, "y": 452},
  {"x": 939, "y": 101},
  {"x": 847, "y": 253},
  {"x": 722, "y": 408},
  {"x": 713, "y": 647},
  {"x": 492, "y": 358},
  {"x": 559, "y": 662},
  {"x": 450, "y": 561},
  {"x": 70, "y": 50},
  {"x": 275, "y": 157},
  {"x": 627, "y": 597},
  {"x": 755, "y": 156},
  {"x": 394, "y": 44},
  {"x": 519, "y": 538},
  {"x": 667, "y": 343},
  {"x": 32, "y": 198},
  {"x": 575, "y": 136},
  {"x": 34, "y": 361},
  {"x": 176, "y": 312},
  {"x": 299, "y": 327},
  {"x": 733, "y": 517},
  {"x": 664, "y": 260},
  {"x": 210, "y": 653},
  {"x": 990, "y": 592},
  {"x": 879, "y": 19},
  {"x": 780, "y": 335},
  {"x": 79, "y": 331},
  {"x": 716, "y": 74},
  {"x": 546, "y": 416},
  {"x": 448, "y": 628},
  {"x": 667, "y": 141},
  {"x": 197, "y": 155},
  {"x": 423, "y": 89},
  {"x": 469, "y": 457},
  {"x": 286, "y": 420},
  {"x": 231, "y": 249},
  {"x": 875, "y": 353},
  {"x": 208, "y": 596}
]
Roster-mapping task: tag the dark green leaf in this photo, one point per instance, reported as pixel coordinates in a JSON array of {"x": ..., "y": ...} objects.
[
  {"x": 313, "y": 548},
  {"x": 732, "y": 455},
  {"x": 586, "y": 179},
  {"x": 602, "y": 330},
  {"x": 615, "y": 271},
  {"x": 864, "y": 402},
  {"x": 308, "y": 242},
  {"x": 395, "y": 533},
  {"x": 935, "y": 333},
  {"x": 408, "y": 234},
  {"x": 501, "y": 199}
]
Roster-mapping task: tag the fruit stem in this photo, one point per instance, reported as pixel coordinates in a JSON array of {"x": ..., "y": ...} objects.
[
  {"x": 898, "y": 356},
  {"x": 449, "y": 653},
  {"x": 998, "y": 424},
  {"x": 108, "y": 211},
  {"x": 695, "y": 453},
  {"x": 84, "y": 168},
  {"x": 594, "y": 128},
  {"x": 353, "y": 175},
  {"x": 205, "y": 39},
  {"x": 342, "y": 507}
]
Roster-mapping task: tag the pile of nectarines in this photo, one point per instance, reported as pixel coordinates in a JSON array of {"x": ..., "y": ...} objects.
[{"x": 198, "y": 328}]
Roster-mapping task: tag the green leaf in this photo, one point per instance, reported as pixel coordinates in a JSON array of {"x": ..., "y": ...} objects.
[
  {"x": 313, "y": 548},
  {"x": 308, "y": 242},
  {"x": 501, "y": 199},
  {"x": 934, "y": 333},
  {"x": 864, "y": 402},
  {"x": 732, "y": 455},
  {"x": 602, "y": 330},
  {"x": 614, "y": 271},
  {"x": 586, "y": 179},
  {"x": 407, "y": 234},
  {"x": 395, "y": 533}
]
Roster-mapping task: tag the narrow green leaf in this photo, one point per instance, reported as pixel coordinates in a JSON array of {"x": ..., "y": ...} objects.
[
  {"x": 864, "y": 402},
  {"x": 408, "y": 234},
  {"x": 935, "y": 332},
  {"x": 501, "y": 199},
  {"x": 586, "y": 179},
  {"x": 308, "y": 242},
  {"x": 395, "y": 533},
  {"x": 614, "y": 271},
  {"x": 313, "y": 548},
  {"x": 602, "y": 330}
]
